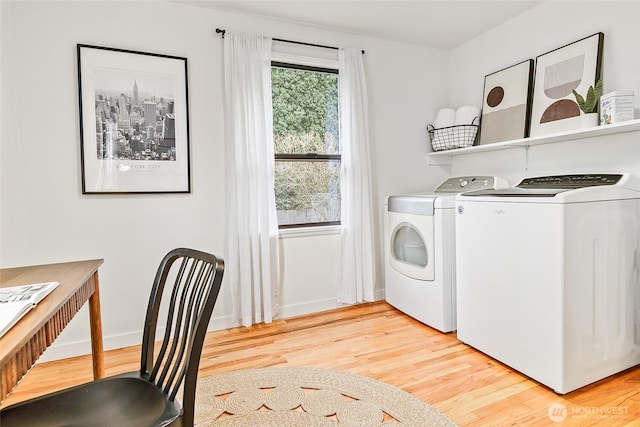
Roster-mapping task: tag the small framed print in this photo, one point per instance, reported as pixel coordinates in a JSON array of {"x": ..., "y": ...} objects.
[
  {"x": 507, "y": 103},
  {"x": 575, "y": 66},
  {"x": 134, "y": 121}
]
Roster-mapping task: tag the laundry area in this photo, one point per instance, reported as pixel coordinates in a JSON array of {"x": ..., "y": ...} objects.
[
  {"x": 542, "y": 275},
  {"x": 541, "y": 268},
  {"x": 530, "y": 251}
]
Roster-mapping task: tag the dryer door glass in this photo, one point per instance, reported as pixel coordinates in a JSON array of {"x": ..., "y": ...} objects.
[{"x": 408, "y": 246}]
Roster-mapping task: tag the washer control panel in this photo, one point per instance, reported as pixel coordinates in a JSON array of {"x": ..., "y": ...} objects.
[
  {"x": 466, "y": 183},
  {"x": 570, "y": 181}
]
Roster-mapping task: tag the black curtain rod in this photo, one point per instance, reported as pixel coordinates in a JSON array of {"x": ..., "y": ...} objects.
[{"x": 219, "y": 31}]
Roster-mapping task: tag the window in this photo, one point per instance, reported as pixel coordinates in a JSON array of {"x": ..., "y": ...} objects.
[{"x": 306, "y": 140}]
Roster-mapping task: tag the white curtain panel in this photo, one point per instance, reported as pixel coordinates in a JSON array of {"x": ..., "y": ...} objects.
[
  {"x": 252, "y": 225},
  {"x": 358, "y": 267}
]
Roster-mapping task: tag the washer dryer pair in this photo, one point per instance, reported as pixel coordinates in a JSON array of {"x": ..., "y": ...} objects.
[{"x": 420, "y": 250}]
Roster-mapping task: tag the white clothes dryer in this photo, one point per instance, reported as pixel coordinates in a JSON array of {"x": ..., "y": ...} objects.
[
  {"x": 548, "y": 276},
  {"x": 419, "y": 242}
]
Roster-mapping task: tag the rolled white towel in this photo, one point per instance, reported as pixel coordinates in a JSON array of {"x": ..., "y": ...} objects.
[
  {"x": 466, "y": 114},
  {"x": 445, "y": 117}
]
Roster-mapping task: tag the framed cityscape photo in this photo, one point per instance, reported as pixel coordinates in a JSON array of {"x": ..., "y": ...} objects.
[
  {"x": 134, "y": 121},
  {"x": 575, "y": 66},
  {"x": 507, "y": 103}
]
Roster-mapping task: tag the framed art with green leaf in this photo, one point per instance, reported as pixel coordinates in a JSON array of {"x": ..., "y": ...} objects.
[{"x": 560, "y": 75}]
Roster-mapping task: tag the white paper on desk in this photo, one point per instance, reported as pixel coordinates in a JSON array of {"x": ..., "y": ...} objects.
[
  {"x": 11, "y": 312},
  {"x": 16, "y": 301}
]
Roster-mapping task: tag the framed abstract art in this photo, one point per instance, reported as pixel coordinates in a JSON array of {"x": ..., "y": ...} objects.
[
  {"x": 575, "y": 66},
  {"x": 506, "y": 103}
]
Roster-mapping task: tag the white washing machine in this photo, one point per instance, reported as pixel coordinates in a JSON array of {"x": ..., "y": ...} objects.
[
  {"x": 548, "y": 276},
  {"x": 419, "y": 241}
]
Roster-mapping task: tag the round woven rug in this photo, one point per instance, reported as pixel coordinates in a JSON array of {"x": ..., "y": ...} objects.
[{"x": 305, "y": 397}]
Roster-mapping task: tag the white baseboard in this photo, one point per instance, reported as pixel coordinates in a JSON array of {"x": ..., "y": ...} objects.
[
  {"x": 112, "y": 342},
  {"x": 79, "y": 348},
  {"x": 307, "y": 308}
]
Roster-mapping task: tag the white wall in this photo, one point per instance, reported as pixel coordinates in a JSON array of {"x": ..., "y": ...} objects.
[
  {"x": 45, "y": 218},
  {"x": 539, "y": 30}
]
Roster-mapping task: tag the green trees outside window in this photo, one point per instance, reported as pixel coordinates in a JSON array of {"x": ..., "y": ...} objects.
[{"x": 306, "y": 144}]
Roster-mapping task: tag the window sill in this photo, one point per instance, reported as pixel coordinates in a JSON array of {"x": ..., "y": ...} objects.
[{"x": 310, "y": 231}]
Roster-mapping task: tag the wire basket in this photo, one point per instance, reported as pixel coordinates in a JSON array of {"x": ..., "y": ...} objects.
[{"x": 450, "y": 137}]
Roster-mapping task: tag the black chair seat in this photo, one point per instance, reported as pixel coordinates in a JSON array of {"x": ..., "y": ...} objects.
[
  {"x": 125, "y": 400},
  {"x": 145, "y": 398}
]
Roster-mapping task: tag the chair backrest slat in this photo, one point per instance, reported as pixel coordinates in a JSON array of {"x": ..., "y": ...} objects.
[
  {"x": 174, "y": 331},
  {"x": 189, "y": 307},
  {"x": 190, "y": 303},
  {"x": 169, "y": 326}
]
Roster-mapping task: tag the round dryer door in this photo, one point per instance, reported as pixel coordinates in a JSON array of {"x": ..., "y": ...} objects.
[{"x": 411, "y": 245}]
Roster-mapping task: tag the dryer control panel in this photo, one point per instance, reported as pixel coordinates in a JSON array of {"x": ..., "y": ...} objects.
[{"x": 461, "y": 184}]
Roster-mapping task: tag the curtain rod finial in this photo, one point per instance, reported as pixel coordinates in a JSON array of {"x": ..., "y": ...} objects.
[{"x": 219, "y": 31}]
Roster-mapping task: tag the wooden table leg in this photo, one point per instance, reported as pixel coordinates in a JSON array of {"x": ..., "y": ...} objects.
[{"x": 95, "y": 320}]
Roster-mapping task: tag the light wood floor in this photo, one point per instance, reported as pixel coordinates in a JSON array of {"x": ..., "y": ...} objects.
[{"x": 380, "y": 342}]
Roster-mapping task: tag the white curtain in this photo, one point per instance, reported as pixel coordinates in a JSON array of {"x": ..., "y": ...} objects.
[
  {"x": 252, "y": 226},
  {"x": 358, "y": 264}
]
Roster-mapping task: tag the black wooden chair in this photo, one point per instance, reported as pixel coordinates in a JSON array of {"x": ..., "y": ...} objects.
[{"x": 146, "y": 397}]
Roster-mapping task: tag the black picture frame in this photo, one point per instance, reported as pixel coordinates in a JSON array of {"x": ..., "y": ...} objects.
[
  {"x": 575, "y": 66},
  {"x": 134, "y": 121}
]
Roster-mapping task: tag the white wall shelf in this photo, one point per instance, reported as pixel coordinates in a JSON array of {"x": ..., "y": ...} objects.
[{"x": 446, "y": 157}]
